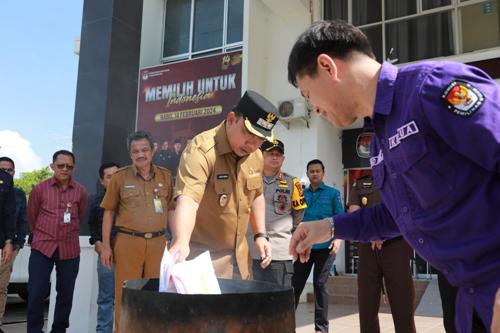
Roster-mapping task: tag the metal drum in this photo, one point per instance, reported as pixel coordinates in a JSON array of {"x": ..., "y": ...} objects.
[{"x": 243, "y": 306}]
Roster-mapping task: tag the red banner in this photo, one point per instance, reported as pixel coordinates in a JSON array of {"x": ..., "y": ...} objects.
[{"x": 178, "y": 101}]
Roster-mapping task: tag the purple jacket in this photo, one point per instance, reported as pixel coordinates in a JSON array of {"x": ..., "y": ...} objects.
[{"x": 436, "y": 161}]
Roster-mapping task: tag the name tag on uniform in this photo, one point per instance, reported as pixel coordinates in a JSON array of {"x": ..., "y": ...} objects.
[
  {"x": 67, "y": 214},
  {"x": 67, "y": 217},
  {"x": 158, "y": 205}
]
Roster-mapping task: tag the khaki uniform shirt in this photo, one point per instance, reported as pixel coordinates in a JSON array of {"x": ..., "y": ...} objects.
[
  {"x": 285, "y": 206},
  {"x": 363, "y": 193},
  {"x": 132, "y": 199},
  {"x": 225, "y": 187}
]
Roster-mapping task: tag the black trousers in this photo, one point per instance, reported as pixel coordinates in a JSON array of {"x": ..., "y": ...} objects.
[
  {"x": 39, "y": 269},
  {"x": 322, "y": 261},
  {"x": 448, "y": 295},
  {"x": 278, "y": 271},
  {"x": 392, "y": 264}
]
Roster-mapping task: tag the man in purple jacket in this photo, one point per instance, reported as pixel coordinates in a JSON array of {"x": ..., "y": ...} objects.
[{"x": 435, "y": 157}]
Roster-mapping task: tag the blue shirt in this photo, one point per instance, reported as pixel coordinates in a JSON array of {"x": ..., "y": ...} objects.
[
  {"x": 436, "y": 161},
  {"x": 322, "y": 203}
]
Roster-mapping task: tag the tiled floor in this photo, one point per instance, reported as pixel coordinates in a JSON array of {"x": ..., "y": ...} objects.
[{"x": 344, "y": 319}]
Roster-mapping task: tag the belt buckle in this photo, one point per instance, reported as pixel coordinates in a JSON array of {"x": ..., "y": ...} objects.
[{"x": 148, "y": 235}]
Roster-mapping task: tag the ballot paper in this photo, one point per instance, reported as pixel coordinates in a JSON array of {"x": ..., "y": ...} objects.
[{"x": 195, "y": 276}]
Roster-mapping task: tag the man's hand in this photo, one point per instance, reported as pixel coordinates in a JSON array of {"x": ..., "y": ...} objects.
[
  {"x": 181, "y": 248},
  {"x": 495, "y": 323},
  {"x": 306, "y": 235},
  {"x": 6, "y": 253},
  {"x": 264, "y": 248},
  {"x": 377, "y": 244},
  {"x": 98, "y": 247},
  {"x": 335, "y": 246},
  {"x": 106, "y": 255}
]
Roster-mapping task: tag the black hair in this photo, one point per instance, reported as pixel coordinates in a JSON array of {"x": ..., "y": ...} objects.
[
  {"x": 7, "y": 159},
  {"x": 104, "y": 166},
  {"x": 316, "y": 161},
  {"x": 139, "y": 135},
  {"x": 336, "y": 38},
  {"x": 63, "y": 152}
]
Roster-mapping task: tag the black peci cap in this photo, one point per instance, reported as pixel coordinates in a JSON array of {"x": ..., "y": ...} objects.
[
  {"x": 260, "y": 115},
  {"x": 277, "y": 144}
]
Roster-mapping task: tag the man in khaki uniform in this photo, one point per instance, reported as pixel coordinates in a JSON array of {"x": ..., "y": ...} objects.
[
  {"x": 138, "y": 198},
  {"x": 219, "y": 190}
]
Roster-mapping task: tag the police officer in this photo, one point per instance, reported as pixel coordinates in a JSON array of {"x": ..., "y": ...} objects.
[
  {"x": 383, "y": 266},
  {"x": 435, "y": 156},
  {"x": 219, "y": 190},
  {"x": 285, "y": 206},
  {"x": 7, "y": 215}
]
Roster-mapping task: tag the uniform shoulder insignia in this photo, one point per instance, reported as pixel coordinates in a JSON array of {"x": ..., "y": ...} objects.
[
  {"x": 163, "y": 168},
  {"x": 123, "y": 168},
  {"x": 462, "y": 98},
  {"x": 206, "y": 146}
]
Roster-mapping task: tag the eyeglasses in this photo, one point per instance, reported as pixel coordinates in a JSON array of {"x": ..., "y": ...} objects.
[
  {"x": 64, "y": 165},
  {"x": 8, "y": 170}
]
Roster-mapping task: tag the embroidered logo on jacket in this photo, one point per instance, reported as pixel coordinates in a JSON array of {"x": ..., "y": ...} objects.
[
  {"x": 462, "y": 98},
  {"x": 402, "y": 133}
]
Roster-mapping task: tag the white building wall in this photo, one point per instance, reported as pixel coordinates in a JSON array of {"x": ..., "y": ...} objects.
[
  {"x": 152, "y": 33},
  {"x": 270, "y": 28}
]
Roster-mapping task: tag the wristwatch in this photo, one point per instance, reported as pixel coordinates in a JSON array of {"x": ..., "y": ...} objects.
[
  {"x": 8, "y": 241},
  {"x": 332, "y": 223},
  {"x": 261, "y": 234}
]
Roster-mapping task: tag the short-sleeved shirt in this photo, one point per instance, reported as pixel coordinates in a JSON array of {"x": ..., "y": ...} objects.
[
  {"x": 131, "y": 198},
  {"x": 436, "y": 161},
  {"x": 284, "y": 199},
  {"x": 225, "y": 187},
  {"x": 324, "y": 202},
  {"x": 364, "y": 193}
]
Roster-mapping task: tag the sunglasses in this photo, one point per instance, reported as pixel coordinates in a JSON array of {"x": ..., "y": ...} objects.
[
  {"x": 64, "y": 165},
  {"x": 8, "y": 170}
]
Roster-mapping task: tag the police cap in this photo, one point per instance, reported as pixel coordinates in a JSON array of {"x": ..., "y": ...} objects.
[{"x": 276, "y": 144}]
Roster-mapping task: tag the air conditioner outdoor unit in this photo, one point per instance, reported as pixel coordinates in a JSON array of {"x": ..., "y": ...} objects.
[{"x": 294, "y": 109}]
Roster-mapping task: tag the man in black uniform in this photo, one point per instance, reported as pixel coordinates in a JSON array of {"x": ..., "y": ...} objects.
[
  {"x": 382, "y": 266},
  {"x": 7, "y": 215}
]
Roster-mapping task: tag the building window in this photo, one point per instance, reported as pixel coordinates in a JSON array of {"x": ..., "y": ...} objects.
[
  {"x": 408, "y": 30},
  {"x": 196, "y": 28}
]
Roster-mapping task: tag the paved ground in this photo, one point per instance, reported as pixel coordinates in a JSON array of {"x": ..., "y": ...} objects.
[{"x": 343, "y": 318}]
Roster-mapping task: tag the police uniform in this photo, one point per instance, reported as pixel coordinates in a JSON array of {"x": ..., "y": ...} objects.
[
  {"x": 225, "y": 186},
  {"x": 436, "y": 161},
  {"x": 391, "y": 263},
  {"x": 140, "y": 208},
  {"x": 7, "y": 208},
  {"x": 285, "y": 206}
]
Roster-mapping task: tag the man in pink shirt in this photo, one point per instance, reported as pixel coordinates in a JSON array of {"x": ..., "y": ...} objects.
[{"x": 55, "y": 210}]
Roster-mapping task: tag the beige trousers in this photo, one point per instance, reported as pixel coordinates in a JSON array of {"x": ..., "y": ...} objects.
[
  {"x": 135, "y": 258},
  {"x": 5, "y": 271}
]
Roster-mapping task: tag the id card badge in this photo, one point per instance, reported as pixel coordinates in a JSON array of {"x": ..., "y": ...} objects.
[
  {"x": 158, "y": 205},
  {"x": 67, "y": 217},
  {"x": 67, "y": 214}
]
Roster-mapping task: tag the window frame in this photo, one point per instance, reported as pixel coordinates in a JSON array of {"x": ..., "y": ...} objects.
[
  {"x": 224, "y": 48},
  {"x": 454, "y": 7}
]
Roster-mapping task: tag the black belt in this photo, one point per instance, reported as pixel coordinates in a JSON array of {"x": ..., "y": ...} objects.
[{"x": 147, "y": 235}]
